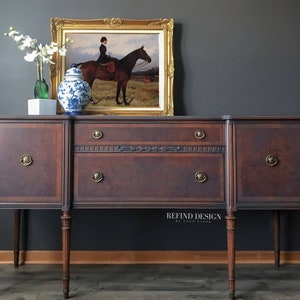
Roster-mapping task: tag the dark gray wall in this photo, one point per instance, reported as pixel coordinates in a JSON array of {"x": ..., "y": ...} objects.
[{"x": 238, "y": 57}]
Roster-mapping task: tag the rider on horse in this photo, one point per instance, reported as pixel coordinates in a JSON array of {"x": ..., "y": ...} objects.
[{"x": 105, "y": 59}]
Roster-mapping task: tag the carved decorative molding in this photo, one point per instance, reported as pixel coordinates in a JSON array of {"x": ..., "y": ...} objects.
[
  {"x": 113, "y": 22},
  {"x": 148, "y": 149}
]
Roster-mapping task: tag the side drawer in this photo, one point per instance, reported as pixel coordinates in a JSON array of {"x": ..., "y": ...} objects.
[
  {"x": 149, "y": 133},
  {"x": 148, "y": 180},
  {"x": 31, "y": 163}
]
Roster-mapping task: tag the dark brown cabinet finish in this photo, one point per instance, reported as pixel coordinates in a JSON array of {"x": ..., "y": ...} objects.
[{"x": 87, "y": 162}]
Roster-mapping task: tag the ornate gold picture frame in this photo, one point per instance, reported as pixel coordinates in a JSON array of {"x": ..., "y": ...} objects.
[{"x": 148, "y": 86}]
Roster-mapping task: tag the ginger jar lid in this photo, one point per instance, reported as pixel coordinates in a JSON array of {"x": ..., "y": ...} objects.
[{"x": 73, "y": 73}]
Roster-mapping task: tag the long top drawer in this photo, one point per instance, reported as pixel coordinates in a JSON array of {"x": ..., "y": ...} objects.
[{"x": 180, "y": 132}]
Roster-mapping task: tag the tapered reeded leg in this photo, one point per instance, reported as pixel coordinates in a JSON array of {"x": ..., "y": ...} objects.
[
  {"x": 66, "y": 228},
  {"x": 277, "y": 238},
  {"x": 16, "y": 237},
  {"x": 230, "y": 224}
]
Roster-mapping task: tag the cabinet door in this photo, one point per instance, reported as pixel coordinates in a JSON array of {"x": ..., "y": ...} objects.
[
  {"x": 268, "y": 159},
  {"x": 148, "y": 180},
  {"x": 31, "y": 163}
]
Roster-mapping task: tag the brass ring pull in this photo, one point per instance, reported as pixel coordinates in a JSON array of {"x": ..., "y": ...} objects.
[
  {"x": 200, "y": 176},
  {"x": 26, "y": 160},
  {"x": 97, "y": 176},
  {"x": 97, "y": 134},
  {"x": 200, "y": 134},
  {"x": 272, "y": 160}
]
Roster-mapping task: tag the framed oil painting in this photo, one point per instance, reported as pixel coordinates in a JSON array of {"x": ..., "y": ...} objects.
[{"x": 128, "y": 63}]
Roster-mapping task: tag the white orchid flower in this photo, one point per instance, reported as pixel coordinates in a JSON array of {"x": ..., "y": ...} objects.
[
  {"x": 22, "y": 47},
  {"x": 31, "y": 56},
  {"x": 54, "y": 45},
  {"x": 39, "y": 53},
  {"x": 18, "y": 38},
  {"x": 47, "y": 59},
  {"x": 42, "y": 50},
  {"x": 29, "y": 42},
  {"x": 62, "y": 51},
  {"x": 13, "y": 33},
  {"x": 52, "y": 48}
]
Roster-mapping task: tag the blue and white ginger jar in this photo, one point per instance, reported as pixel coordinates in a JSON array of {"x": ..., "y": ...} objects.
[{"x": 73, "y": 93}]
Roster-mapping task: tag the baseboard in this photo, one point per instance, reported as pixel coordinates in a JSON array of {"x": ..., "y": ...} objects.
[{"x": 150, "y": 257}]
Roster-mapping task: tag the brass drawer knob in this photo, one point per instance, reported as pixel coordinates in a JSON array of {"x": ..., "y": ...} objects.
[
  {"x": 272, "y": 160},
  {"x": 97, "y": 176},
  {"x": 97, "y": 134},
  {"x": 200, "y": 176},
  {"x": 200, "y": 134},
  {"x": 26, "y": 160}
]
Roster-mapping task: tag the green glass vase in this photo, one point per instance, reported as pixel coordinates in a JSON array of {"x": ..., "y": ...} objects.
[{"x": 41, "y": 89}]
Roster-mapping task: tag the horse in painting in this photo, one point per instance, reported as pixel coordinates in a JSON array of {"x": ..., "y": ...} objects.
[{"x": 118, "y": 70}]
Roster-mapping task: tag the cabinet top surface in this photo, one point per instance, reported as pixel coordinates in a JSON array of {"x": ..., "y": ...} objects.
[
  {"x": 106, "y": 117},
  {"x": 61, "y": 117}
]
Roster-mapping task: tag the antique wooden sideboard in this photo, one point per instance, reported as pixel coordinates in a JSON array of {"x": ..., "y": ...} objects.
[{"x": 85, "y": 162}]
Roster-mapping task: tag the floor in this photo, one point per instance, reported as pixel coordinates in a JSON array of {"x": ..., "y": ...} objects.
[{"x": 149, "y": 282}]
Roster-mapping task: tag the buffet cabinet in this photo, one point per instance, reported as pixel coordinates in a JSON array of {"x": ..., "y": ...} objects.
[{"x": 86, "y": 162}]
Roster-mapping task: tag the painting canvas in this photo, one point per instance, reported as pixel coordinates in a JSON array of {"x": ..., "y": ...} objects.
[{"x": 136, "y": 76}]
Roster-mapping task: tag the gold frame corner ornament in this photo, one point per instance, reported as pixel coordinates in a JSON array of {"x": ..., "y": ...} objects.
[{"x": 61, "y": 28}]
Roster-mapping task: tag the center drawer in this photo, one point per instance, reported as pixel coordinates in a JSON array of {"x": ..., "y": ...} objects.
[{"x": 148, "y": 180}]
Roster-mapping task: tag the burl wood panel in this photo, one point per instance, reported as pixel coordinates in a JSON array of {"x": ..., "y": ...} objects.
[
  {"x": 149, "y": 180},
  {"x": 39, "y": 182},
  {"x": 260, "y": 184},
  {"x": 152, "y": 132}
]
